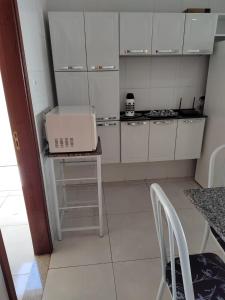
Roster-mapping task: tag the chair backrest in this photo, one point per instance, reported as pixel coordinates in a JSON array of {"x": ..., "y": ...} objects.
[
  {"x": 160, "y": 202},
  {"x": 212, "y": 165}
]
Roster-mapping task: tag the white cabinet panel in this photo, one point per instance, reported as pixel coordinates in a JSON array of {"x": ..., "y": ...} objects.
[
  {"x": 68, "y": 40},
  {"x": 189, "y": 138},
  {"x": 104, "y": 94},
  {"x": 102, "y": 40},
  {"x": 199, "y": 33},
  {"x": 72, "y": 88},
  {"x": 134, "y": 141},
  {"x": 135, "y": 33},
  {"x": 168, "y": 32},
  {"x": 162, "y": 139},
  {"x": 109, "y": 133}
]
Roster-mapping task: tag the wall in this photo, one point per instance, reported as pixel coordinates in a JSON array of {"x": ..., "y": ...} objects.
[
  {"x": 160, "y": 82},
  {"x": 135, "y": 5},
  {"x": 35, "y": 39},
  {"x": 3, "y": 291}
]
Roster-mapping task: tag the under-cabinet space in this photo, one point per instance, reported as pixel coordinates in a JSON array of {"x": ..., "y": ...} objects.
[
  {"x": 134, "y": 141},
  {"x": 189, "y": 138},
  {"x": 72, "y": 88},
  {"x": 109, "y": 133},
  {"x": 162, "y": 140},
  {"x": 135, "y": 33},
  {"x": 168, "y": 33}
]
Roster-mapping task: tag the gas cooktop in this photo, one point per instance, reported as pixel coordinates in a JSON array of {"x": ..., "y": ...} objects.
[{"x": 151, "y": 114}]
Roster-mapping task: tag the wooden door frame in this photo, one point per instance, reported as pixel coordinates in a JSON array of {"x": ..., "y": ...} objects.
[
  {"x": 6, "y": 271},
  {"x": 20, "y": 110}
]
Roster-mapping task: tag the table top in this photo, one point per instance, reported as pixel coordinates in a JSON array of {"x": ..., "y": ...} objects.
[
  {"x": 211, "y": 203},
  {"x": 97, "y": 151}
]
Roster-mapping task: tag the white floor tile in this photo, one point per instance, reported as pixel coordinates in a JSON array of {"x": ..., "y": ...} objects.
[
  {"x": 127, "y": 197},
  {"x": 18, "y": 244},
  {"x": 138, "y": 280},
  {"x": 81, "y": 283},
  {"x": 20, "y": 283},
  {"x": 80, "y": 248},
  {"x": 133, "y": 236}
]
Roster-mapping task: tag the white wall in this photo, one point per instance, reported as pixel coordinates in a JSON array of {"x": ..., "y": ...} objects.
[
  {"x": 3, "y": 291},
  {"x": 32, "y": 18},
  {"x": 160, "y": 82},
  {"x": 135, "y": 5}
]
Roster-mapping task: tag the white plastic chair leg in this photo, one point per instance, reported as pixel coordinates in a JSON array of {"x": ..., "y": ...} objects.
[
  {"x": 205, "y": 237},
  {"x": 161, "y": 290}
]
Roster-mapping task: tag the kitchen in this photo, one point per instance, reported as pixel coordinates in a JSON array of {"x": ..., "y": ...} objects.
[{"x": 162, "y": 65}]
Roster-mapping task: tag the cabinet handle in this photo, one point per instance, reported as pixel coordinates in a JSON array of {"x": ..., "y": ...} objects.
[
  {"x": 192, "y": 121},
  {"x": 106, "y": 124},
  {"x": 170, "y": 51},
  {"x": 162, "y": 122},
  {"x": 135, "y": 51},
  {"x": 198, "y": 51},
  {"x": 103, "y": 68},
  {"x": 106, "y": 118},
  {"x": 70, "y": 68},
  {"x": 136, "y": 123}
]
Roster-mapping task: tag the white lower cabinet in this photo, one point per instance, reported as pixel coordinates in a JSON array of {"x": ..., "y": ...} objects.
[
  {"x": 189, "y": 138},
  {"x": 72, "y": 88},
  {"x": 162, "y": 140},
  {"x": 109, "y": 133},
  {"x": 134, "y": 141}
]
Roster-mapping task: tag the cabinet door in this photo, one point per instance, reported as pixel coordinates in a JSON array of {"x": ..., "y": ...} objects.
[
  {"x": 189, "y": 138},
  {"x": 134, "y": 141},
  {"x": 199, "y": 33},
  {"x": 102, "y": 41},
  {"x": 104, "y": 94},
  {"x": 135, "y": 33},
  {"x": 109, "y": 133},
  {"x": 68, "y": 40},
  {"x": 162, "y": 139},
  {"x": 72, "y": 88},
  {"x": 168, "y": 33}
]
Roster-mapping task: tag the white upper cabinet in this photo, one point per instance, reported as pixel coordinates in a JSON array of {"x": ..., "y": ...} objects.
[
  {"x": 102, "y": 41},
  {"x": 72, "y": 88},
  {"x": 168, "y": 33},
  {"x": 135, "y": 33},
  {"x": 199, "y": 34},
  {"x": 68, "y": 41},
  {"x": 104, "y": 94}
]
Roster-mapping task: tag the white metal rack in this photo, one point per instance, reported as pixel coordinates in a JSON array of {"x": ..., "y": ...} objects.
[{"x": 93, "y": 156}]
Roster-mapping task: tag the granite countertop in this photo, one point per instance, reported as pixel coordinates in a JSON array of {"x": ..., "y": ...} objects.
[
  {"x": 211, "y": 203},
  {"x": 143, "y": 117}
]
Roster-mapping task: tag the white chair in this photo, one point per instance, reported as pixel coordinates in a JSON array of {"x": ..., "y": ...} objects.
[
  {"x": 200, "y": 276},
  {"x": 211, "y": 174}
]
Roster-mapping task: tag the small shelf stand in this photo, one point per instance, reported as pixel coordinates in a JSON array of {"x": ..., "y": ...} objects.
[{"x": 78, "y": 157}]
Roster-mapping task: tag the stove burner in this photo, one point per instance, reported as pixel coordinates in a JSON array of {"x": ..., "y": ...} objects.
[{"x": 161, "y": 113}]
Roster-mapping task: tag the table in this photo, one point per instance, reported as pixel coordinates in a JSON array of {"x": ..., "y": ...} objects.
[
  {"x": 77, "y": 157},
  {"x": 211, "y": 203}
]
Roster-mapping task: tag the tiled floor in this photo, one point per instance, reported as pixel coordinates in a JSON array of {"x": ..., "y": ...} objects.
[{"x": 125, "y": 264}]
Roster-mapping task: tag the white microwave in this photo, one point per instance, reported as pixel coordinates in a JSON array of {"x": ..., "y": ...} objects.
[{"x": 71, "y": 129}]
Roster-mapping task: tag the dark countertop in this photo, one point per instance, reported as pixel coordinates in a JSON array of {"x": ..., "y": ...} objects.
[
  {"x": 143, "y": 117},
  {"x": 211, "y": 203}
]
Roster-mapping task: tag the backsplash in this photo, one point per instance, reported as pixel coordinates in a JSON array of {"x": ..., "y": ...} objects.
[{"x": 160, "y": 82}]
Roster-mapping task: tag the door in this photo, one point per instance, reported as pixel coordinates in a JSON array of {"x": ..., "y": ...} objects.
[
  {"x": 189, "y": 138},
  {"x": 102, "y": 40},
  {"x": 72, "y": 88},
  {"x": 68, "y": 40},
  {"x": 134, "y": 141},
  {"x": 162, "y": 139},
  {"x": 135, "y": 33},
  {"x": 109, "y": 133},
  {"x": 104, "y": 94},
  {"x": 168, "y": 33},
  {"x": 199, "y": 34}
]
